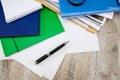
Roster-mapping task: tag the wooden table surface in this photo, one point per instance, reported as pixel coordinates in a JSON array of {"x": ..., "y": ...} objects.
[{"x": 100, "y": 65}]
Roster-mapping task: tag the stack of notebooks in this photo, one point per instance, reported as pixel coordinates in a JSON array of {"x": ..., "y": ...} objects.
[
  {"x": 29, "y": 30},
  {"x": 91, "y": 18}
]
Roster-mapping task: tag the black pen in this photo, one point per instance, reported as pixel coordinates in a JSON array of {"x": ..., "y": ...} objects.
[{"x": 50, "y": 53}]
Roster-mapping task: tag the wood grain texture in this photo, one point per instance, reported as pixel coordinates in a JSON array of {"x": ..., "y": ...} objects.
[
  {"x": 99, "y": 65},
  {"x": 12, "y": 70}
]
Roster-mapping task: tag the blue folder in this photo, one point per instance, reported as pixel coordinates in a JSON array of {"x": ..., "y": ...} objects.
[
  {"x": 26, "y": 26},
  {"x": 89, "y": 7}
]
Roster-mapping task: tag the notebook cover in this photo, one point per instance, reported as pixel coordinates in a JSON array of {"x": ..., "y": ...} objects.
[
  {"x": 88, "y": 7},
  {"x": 26, "y": 26},
  {"x": 50, "y": 25}
]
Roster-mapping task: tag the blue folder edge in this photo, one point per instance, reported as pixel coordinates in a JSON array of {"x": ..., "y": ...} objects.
[{"x": 88, "y": 8}]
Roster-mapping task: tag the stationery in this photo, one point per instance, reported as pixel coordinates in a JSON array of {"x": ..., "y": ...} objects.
[
  {"x": 27, "y": 26},
  {"x": 50, "y": 53},
  {"x": 80, "y": 20},
  {"x": 75, "y": 46},
  {"x": 108, "y": 15},
  {"x": 88, "y": 7},
  {"x": 88, "y": 22},
  {"x": 17, "y": 9},
  {"x": 95, "y": 19},
  {"x": 55, "y": 1},
  {"x": 54, "y": 6},
  {"x": 50, "y": 26},
  {"x": 79, "y": 40}
]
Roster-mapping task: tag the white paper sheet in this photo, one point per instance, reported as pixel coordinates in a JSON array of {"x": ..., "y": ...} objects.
[
  {"x": 108, "y": 15},
  {"x": 55, "y": 1},
  {"x": 80, "y": 41}
]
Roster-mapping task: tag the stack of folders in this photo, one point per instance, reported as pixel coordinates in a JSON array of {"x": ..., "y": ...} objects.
[
  {"x": 23, "y": 25},
  {"x": 91, "y": 23}
]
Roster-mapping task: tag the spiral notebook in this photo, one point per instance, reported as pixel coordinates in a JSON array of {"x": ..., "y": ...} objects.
[
  {"x": 27, "y": 26},
  {"x": 15, "y": 9}
]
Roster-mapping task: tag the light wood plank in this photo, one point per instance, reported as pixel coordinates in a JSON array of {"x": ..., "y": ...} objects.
[{"x": 12, "y": 70}]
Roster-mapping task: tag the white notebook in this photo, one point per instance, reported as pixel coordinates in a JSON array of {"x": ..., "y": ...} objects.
[{"x": 16, "y": 9}]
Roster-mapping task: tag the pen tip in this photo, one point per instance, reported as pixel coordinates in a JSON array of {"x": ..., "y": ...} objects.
[
  {"x": 36, "y": 63},
  {"x": 67, "y": 42}
]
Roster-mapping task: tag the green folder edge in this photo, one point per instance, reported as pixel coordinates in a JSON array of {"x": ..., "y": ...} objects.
[{"x": 50, "y": 26}]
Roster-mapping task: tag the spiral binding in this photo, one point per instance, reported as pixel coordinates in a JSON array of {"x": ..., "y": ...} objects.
[{"x": 23, "y": 14}]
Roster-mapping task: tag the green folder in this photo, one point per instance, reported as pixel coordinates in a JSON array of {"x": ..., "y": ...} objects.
[{"x": 50, "y": 26}]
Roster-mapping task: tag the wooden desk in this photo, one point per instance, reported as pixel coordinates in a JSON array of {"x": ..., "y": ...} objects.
[{"x": 101, "y": 65}]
